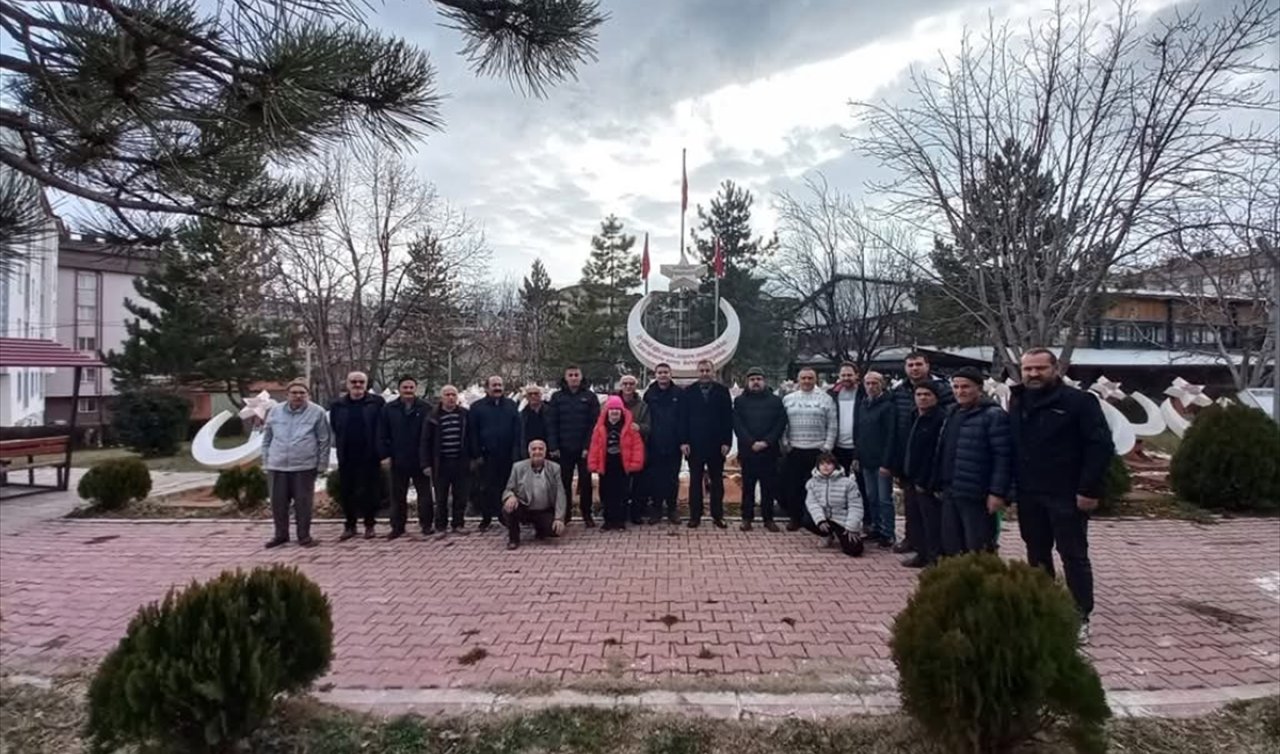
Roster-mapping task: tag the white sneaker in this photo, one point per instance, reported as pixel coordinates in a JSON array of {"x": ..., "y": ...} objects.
[{"x": 1082, "y": 638}]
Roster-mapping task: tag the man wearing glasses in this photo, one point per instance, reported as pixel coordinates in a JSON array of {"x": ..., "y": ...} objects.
[
  {"x": 355, "y": 418},
  {"x": 295, "y": 447}
]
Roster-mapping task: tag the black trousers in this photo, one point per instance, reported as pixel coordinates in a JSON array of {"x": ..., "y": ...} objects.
[
  {"x": 571, "y": 460},
  {"x": 541, "y": 521},
  {"x": 966, "y": 526},
  {"x": 845, "y": 457},
  {"x": 796, "y": 470},
  {"x": 929, "y": 542},
  {"x": 762, "y": 469},
  {"x": 361, "y": 487},
  {"x": 1045, "y": 522},
  {"x": 400, "y": 481},
  {"x": 914, "y": 532},
  {"x": 662, "y": 478},
  {"x": 850, "y": 542},
  {"x": 452, "y": 477},
  {"x": 494, "y": 473},
  {"x": 637, "y": 496},
  {"x": 711, "y": 467},
  {"x": 615, "y": 484}
]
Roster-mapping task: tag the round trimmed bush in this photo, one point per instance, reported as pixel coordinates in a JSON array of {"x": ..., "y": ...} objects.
[
  {"x": 244, "y": 485},
  {"x": 198, "y": 672},
  {"x": 113, "y": 484},
  {"x": 986, "y": 655},
  {"x": 1118, "y": 484},
  {"x": 1229, "y": 459}
]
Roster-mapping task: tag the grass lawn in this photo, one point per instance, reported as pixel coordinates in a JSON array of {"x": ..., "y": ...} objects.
[
  {"x": 49, "y": 720},
  {"x": 180, "y": 462}
]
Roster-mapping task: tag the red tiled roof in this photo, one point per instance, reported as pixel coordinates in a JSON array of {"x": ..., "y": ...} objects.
[{"x": 25, "y": 352}]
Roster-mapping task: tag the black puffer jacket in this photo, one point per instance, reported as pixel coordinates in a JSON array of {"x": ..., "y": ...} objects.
[
  {"x": 921, "y": 446},
  {"x": 400, "y": 436},
  {"x": 573, "y": 416},
  {"x": 355, "y": 428},
  {"x": 758, "y": 417},
  {"x": 664, "y": 419},
  {"x": 904, "y": 406},
  {"x": 975, "y": 453},
  {"x": 1062, "y": 445},
  {"x": 494, "y": 430}
]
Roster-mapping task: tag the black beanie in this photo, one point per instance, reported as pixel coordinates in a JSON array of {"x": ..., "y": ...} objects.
[{"x": 970, "y": 373}]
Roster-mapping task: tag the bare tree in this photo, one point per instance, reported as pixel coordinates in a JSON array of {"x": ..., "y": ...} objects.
[
  {"x": 1098, "y": 121},
  {"x": 848, "y": 274},
  {"x": 357, "y": 276},
  {"x": 1217, "y": 263}
]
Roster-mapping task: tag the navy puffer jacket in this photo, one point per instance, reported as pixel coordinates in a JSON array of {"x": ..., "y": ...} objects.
[
  {"x": 664, "y": 419},
  {"x": 977, "y": 444}
]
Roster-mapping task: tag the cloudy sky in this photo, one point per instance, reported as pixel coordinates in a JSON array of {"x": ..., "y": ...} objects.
[{"x": 756, "y": 90}]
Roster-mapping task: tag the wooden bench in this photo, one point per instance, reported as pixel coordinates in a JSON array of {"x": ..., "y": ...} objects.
[{"x": 32, "y": 454}]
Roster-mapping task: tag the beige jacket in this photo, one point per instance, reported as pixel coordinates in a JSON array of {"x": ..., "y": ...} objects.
[{"x": 520, "y": 485}]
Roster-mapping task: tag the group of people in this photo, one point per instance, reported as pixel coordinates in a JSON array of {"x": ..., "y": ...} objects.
[{"x": 829, "y": 458}]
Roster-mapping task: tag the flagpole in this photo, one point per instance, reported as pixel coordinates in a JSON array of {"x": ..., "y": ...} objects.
[
  {"x": 715, "y": 308},
  {"x": 684, "y": 203}
]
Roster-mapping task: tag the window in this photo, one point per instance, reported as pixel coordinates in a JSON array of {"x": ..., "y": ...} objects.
[
  {"x": 86, "y": 298},
  {"x": 89, "y": 343},
  {"x": 89, "y": 374},
  {"x": 87, "y": 406}
]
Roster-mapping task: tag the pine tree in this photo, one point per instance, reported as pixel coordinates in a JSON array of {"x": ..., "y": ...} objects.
[
  {"x": 200, "y": 320},
  {"x": 434, "y": 317},
  {"x": 595, "y": 335},
  {"x": 540, "y": 317},
  {"x": 729, "y": 219}
]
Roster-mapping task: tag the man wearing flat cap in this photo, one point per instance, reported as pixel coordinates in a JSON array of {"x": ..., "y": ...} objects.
[
  {"x": 974, "y": 466},
  {"x": 759, "y": 421}
]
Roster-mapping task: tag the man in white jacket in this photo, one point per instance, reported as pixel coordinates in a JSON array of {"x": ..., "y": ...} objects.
[{"x": 812, "y": 423}]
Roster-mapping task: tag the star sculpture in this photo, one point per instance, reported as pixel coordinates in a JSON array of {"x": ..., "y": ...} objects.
[
  {"x": 1070, "y": 382},
  {"x": 1187, "y": 394},
  {"x": 256, "y": 408},
  {"x": 684, "y": 276},
  {"x": 389, "y": 395},
  {"x": 1107, "y": 389}
]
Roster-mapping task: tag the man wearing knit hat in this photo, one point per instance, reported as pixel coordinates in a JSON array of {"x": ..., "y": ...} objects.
[
  {"x": 974, "y": 466},
  {"x": 918, "y": 371},
  {"x": 759, "y": 421},
  {"x": 295, "y": 448}
]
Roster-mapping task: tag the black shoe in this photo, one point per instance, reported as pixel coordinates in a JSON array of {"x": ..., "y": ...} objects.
[
  {"x": 904, "y": 547},
  {"x": 693, "y": 523},
  {"x": 793, "y": 526},
  {"x": 745, "y": 526},
  {"x": 887, "y": 544},
  {"x": 655, "y": 519},
  {"x": 368, "y": 532},
  {"x": 673, "y": 518},
  {"x": 459, "y": 531},
  {"x": 916, "y": 562},
  {"x": 637, "y": 522},
  {"x": 607, "y": 526},
  {"x": 589, "y": 522},
  {"x": 719, "y": 523},
  {"x": 771, "y": 526},
  {"x": 512, "y": 545},
  {"x": 276, "y": 543},
  {"x": 484, "y": 525},
  {"x": 395, "y": 534},
  {"x": 308, "y": 542},
  {"x": 347, "y": 534}
]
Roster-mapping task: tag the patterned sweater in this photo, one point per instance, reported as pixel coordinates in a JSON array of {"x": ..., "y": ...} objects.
[{"x": 812, "y": 420}]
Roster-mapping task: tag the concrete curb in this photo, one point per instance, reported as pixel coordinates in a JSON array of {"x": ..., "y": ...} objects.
[{"x": 735, "y": 705}]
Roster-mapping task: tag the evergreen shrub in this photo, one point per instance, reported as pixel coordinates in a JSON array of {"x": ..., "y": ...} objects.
[
  {"x": 113, "y": 484},
  {"x": 151, "y": 422},
  {"x": 1229, "y": 460},
  {"x": 245, "y": 485}
]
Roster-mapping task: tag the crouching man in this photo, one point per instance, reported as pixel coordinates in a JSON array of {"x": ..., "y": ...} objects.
[
  {"x": 834, "y": 506},
  {"x": 534, "y": 495}
]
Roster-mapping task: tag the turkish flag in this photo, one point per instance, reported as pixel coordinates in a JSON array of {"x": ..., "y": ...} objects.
[
  {"x": 718, "y": 262},
  {"x": 644, "y": 260}
]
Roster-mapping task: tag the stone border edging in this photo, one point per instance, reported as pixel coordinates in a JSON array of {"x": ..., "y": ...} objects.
[{"x": 744, "y": 705}]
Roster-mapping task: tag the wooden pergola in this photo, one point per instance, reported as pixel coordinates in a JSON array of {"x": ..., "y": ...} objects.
[{"x": 17, "y": 456}]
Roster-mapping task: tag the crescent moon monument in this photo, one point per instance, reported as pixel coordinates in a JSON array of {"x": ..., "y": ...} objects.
[{"x": 683, "y": 361}]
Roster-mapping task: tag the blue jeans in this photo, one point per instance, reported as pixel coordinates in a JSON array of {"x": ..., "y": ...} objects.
[{"x": 880, "y": 502}]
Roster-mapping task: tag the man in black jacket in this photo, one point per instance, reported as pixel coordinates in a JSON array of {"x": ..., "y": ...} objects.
[
  {"x": 354, "y": 418},
  {"x": 494, "y": 436},
  {"x": 759, "y": 421},
  {"x": 401, "y": 443},
  {"x": 973, "y": 466},
  {"x": 1062, "y": 449},
  {"x": 916, "y": 473},
  {"x": 533, "y": 419},
  {"x": 662, "y": 449},
  {"x": 574, "y": 410},
  {"x": 918, "y": 372},
  {"x": 708, "y": 435}
]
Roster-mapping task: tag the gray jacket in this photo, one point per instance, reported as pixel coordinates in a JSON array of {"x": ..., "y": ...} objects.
[
  {"x": 520, "y": 486},
  {"x": 296, "y": 440},
  {"x": 834, "y": 498}
]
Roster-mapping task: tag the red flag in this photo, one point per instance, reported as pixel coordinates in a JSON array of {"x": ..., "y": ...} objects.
[
  {"x": 684, "y": 184},
  {"x": 718, "y": 262},
  {"x": 644, "y": 260}
]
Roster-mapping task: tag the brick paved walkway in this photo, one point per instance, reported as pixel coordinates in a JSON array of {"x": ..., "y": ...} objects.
[{"x": 1180, "y": 606}]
